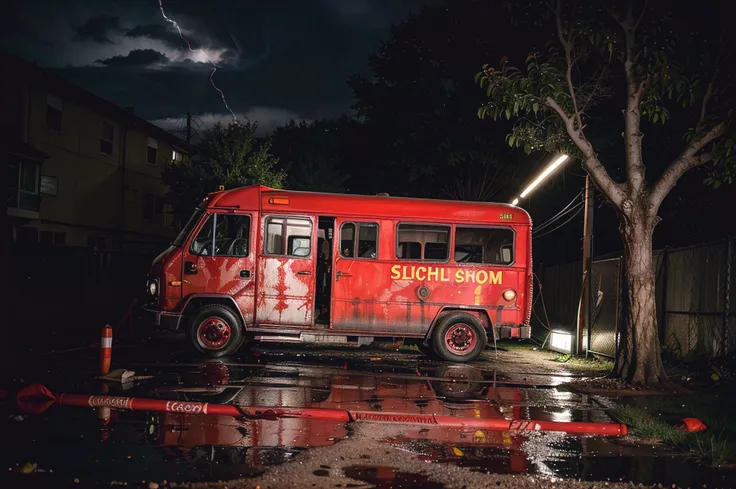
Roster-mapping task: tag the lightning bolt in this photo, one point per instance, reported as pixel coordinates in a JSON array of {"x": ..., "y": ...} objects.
[{"x": 214, "y": 65}]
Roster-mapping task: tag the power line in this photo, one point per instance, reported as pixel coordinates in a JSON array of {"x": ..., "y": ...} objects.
[
  {"x": 558, "y": 227},
  {"x": 559, "y": 214}
]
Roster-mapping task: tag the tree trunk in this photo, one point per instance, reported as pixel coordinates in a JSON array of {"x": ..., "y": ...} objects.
[{"x": 639, "y": 358}]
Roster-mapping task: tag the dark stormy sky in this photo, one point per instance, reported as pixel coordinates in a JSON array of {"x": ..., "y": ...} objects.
[{"x": 278, "y": 59}]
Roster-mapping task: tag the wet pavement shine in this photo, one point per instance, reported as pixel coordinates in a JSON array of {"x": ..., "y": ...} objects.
[{"x": 73, "y": 447}]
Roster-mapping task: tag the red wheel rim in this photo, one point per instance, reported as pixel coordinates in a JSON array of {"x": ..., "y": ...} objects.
[
  {"x": 213, "y": 333},
  {"x": 461, "y": 339}
]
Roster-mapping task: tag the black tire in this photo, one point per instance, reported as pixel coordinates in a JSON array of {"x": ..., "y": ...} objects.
[
  {"x": 467, "y": 335},
  {"x": 212, "y": 319}
]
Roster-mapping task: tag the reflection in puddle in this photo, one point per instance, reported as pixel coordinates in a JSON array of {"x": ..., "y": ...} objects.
[
  {"x": 387, "y": 477},
  {"x": 155, "y": 446}
]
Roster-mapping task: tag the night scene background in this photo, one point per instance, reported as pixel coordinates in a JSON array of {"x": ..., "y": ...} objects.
[{"x": 109, "y": 113}]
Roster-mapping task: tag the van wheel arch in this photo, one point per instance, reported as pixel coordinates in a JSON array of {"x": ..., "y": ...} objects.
[
  {"x": 196, "y": 302},
  {"x": 480, "y": 314}
]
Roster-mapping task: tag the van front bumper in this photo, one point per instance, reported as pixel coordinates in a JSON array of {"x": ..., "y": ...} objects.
[{"x": 162, "y": 319}]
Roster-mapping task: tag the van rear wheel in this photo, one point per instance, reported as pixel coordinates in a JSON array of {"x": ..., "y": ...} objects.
[
  {"x": 459, "y": 337},
  {"x": 215, "y": 331}
]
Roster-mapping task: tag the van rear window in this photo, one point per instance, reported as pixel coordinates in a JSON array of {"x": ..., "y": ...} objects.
[{"x": 491, "y": 246}]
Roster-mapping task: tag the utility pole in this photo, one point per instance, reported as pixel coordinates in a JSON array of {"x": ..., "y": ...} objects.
[
  {"x": 189, "y": 127},
  {"x": 586, "y": 313}
]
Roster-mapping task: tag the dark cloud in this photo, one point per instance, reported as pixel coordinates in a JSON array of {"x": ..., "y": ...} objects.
[
  {"x": 168, "y": 36},
  {"x": 259, "y": 46},
  {"x": 98, "y": 29},
  {"x": 138, "y": 58}
]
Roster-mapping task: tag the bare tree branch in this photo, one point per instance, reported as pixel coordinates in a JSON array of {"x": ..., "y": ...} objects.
[
  {"x": 686, "y": 161},
  {"x": 612, "y": 190},
  {"x": 567, "y": 46}
]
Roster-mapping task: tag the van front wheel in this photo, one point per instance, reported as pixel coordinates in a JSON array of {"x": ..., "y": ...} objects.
[
  {"x": 459, "y": 337},
  {"x": 215, "y": 331}
]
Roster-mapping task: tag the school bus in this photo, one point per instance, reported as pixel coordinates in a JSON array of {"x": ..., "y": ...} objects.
[{"x": 259, "y": 264}]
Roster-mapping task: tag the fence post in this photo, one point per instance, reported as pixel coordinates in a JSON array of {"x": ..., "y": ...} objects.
[
  {"x": 663, "y": 310},
  {"x": 727, "y": 298}
]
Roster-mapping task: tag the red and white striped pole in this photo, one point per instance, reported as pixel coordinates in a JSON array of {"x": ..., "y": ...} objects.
[{"x": 105, "y": 350}]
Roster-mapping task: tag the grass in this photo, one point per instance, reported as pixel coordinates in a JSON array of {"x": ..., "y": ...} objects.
[
  {"x": 592, "y": 364},
  {"x": 655, "y": 417}
]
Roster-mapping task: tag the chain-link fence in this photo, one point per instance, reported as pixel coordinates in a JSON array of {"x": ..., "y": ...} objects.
[
  {"x": 693, "y": 296},
  {"x": 606, "y": 306}
]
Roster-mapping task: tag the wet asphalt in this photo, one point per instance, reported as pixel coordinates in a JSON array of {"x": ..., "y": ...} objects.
[{"x": 72, "y": 447}]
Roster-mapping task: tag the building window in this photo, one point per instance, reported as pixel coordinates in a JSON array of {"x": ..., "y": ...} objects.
[
  {"x": 53, "y": 112},
  {"x": 152, "y": 155},
  {"x": 107, "y": 136},
  {"x": 366, "y": 244},
  {"x": 491, "y": 246},
  {"x": 177, "y": 156},
  {"x": 56, "y": 238},
  {"x": 49, "y": 185},
  {"x": 290, "y": 236},
  {"x": 22, "y": 187},
  {"x": 423, "y": 242}
]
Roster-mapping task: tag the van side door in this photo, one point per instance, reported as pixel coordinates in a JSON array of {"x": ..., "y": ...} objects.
[
  {"x": 361, "y": 283},
  {"x": 286, "y": 271}
]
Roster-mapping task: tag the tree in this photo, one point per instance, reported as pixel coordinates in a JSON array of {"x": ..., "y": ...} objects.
[
  {"x": 311, "y": 153},
  {"x": 233, "y": 157},
  {"x": 418, "y": 105},
  {"x": 637, "y": 57}
]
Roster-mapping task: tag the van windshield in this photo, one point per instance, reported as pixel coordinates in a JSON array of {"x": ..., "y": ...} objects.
[{"x": 188, "y": 227}]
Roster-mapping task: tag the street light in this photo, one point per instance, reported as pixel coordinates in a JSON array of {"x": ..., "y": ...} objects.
[
  {"x": 556, "y": 163},
  {"x": 585, "y": 309}
]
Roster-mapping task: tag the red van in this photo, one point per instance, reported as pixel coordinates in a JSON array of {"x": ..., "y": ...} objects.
[{"x": 258, "y": 264}]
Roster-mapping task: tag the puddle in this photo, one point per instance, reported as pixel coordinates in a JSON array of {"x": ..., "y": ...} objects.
[
  {"x": 387, "y": 478},
  {"x": 140, "y": 446}
]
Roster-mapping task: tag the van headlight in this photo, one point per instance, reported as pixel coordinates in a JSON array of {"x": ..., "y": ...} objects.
[{"x": 152, "y": 287}]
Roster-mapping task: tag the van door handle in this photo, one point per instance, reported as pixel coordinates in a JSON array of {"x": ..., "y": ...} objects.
[
  {"x": 342, "y": 274},
  {"x": 245, "y": 274},
  {"x": 304, "y": 272}
]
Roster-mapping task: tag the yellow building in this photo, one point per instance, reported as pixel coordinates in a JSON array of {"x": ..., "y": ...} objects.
[{"x": 81, "y": 171}]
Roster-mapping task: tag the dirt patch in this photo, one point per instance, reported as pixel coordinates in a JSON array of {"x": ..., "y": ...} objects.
[{"x": 344, "y": 457}]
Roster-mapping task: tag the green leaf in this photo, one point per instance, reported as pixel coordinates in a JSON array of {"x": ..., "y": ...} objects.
[
  {"x": 527, "y": 148},
  {"x": 508, "y": 114},
  {"x": 512, "y": 141},
  {"x": 655, "y": 119},
  {"x": 535, "y": 107},
  {"x": 516, "y": 108}
]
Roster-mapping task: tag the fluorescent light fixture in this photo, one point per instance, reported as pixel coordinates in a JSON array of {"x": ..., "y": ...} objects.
[
  {"x": 552, "y": 167},
  {"x": 515, "y": 201}
]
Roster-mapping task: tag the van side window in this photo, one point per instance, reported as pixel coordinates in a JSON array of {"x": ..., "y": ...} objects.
[
  {"x": 491, "y": 246},
  {"x": 366, "y": 244},
  {"x": 232, "y": 235},
  {"x": 423, "y": 242},
  {"x": 288, "y": 236},
  {"x": 202, "y": 244}
]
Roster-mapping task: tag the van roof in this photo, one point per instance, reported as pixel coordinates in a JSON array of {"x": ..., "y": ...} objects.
[{"x": 259, "y": 197}]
